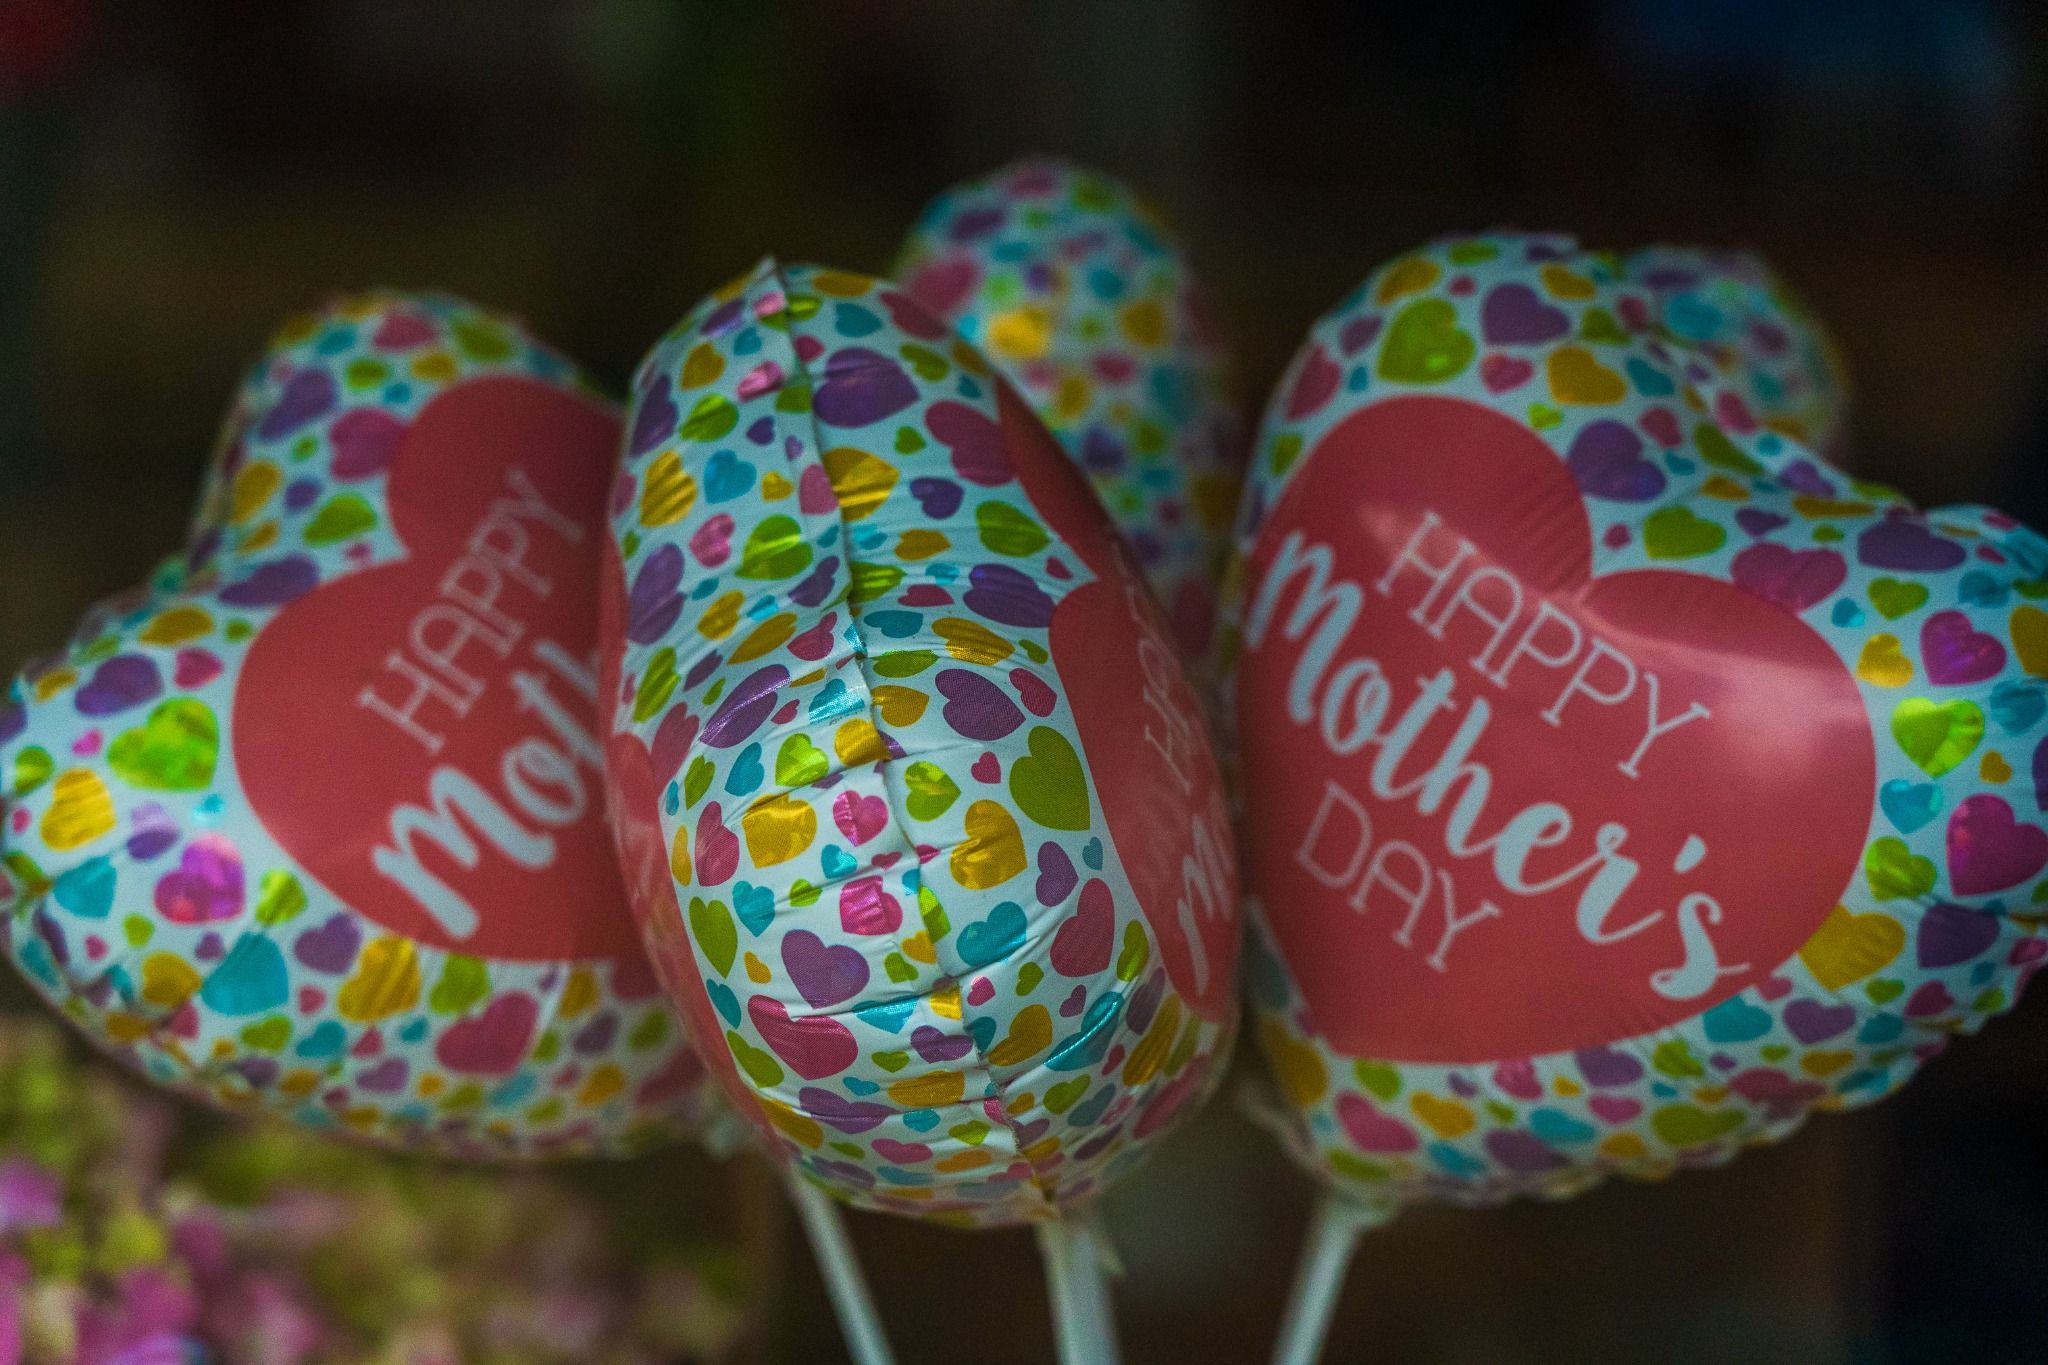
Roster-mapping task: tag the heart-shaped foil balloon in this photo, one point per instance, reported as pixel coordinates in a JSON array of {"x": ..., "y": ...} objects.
[
  {"x": 917, "y": 806},
  {"x": 1078, "y": 293},
  {"x": 1621, "y": 782},
  {"x": 314, "y": 824}
]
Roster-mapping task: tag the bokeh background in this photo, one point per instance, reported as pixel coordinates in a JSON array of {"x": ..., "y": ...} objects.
[{"x": 175, "y": 179}]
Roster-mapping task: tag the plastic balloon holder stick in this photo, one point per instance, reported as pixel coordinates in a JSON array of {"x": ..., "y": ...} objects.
[
  {"x": 1319, "y": 1277},
  {"x": 1084, "y": 1318},
  {"x": 844, "y": 1282}
]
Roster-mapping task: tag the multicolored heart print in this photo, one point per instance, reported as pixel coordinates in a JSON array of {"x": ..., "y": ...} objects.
[
  {"x": 1732, "y": 310},
  {"x": 313, "y": 823},
  {"x": 1622, "y": 782},
  {"x": 1077, "y": 292},
  {"x": 915, "y": 802}
]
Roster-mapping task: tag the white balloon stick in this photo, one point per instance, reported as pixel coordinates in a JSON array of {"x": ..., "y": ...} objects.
[
  {"x": 859, "y": 1323},
  {"x": 1084, "y": 1320},
  {"x": 1319, "y": 1278}
]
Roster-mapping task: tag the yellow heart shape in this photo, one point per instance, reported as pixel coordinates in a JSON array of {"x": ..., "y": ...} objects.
[
  {"x": 668, "y": 492},
  {"x": 1411, "y": 276},
  {"x": 900, "y": 705},
  {"x": 1030, "y": 1034},
  {"x": 778, "y": 828},
  {"x": 1575, "y": 377},
  {"x": 1150, "y": 1053},
  {"x": 971, "y": 642},
  {"x": 1295, "y": 1065},
  {"x": 930, "y": 1090},
  {"x": 1846, "y": 948},
  {"x": 1446, "y": 1118},
  {"x": 1566, "y": 284},
  {"x": 168, "y": 980},
  {"x": 176, "y": 626},
  {"x": 2030, "y": 639},
  {"x": 1883, "y": 664},
  {"x": 386, "y": 981},
  {"x": 80, "y": 810},
  {"x": 1994, "y": 768},
  {"x": 921, "y": 544},
  {"x": 992, "y": 852}
]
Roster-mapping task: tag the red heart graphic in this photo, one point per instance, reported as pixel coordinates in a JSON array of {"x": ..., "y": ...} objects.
[
  {"x": 491, "y": 1043},
  {"x": 420, "y": 736},
  {"x": 1516, "y": 864},
  {"x": 1141, "y": 729}
]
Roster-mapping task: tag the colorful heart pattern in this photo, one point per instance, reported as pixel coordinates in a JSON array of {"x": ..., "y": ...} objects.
[
  {"x": 313, "y": 823},
  {"x": 1077, "y": 292},
  {"x": 1622, "y": 782},
  {"x": 913, "y": 797}
]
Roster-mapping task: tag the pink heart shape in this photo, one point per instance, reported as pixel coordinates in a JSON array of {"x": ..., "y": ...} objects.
[
  {"x": 492, "y": 1043},
  {"x": 1988, "y": 849},
  {"x": 814, "y": 1048}
]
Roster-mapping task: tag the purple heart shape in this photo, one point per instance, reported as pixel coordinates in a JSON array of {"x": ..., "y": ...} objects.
[
  {"x": 1955, "y": 652},
  {"x": 1780, "y": 1096},
  {"x": 1607, "y": 460},
  {"x": 654, "y": 605},
  {"x": 273, "y": 583},
  {"x": 1804, "y": 476},
  {"x": 596, "y": 1035},
  {"x": 332, "y": 946},
  {"x": 1359, "y": 332},
  {"x": 939, "y": 498},
  {"x": 1905, "y": 543},
  {"x": 385, "y": 1077},
  {"x": 1604, "y": 1067},
  {"x": 861, "y": 386},
  {"x": 1007, "y": 597},
  {"x": 937, "y": 1046},
  {"x": 1514, "y": 315},
  {"x": 1522, "y": 1153},
  {"x": 306, "y": 395},
  {"x": 121, "y": 682},
  {"x": 836, "y": 1111},
  {"x": 824, "y": 974},
  {"x": 745, "y": 707},
  {"x": 1758, "y": 522},
  {"x": 1811, "y": 1022},
  {"x": 655, "y": 416},
  {"x": 1931, "y": 998},
  {"x": 975, "y": 707},
  {"x": 1056, "y": 874},
  {"x": 1951, "y": 933},
  {"x": 817, "y": 584},
  {"x": 1793, "y": 579}
]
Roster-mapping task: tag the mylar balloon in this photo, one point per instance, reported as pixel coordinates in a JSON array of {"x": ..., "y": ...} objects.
[
  {"x": 1078, "y": 294},
  {"x": 1623, "y": 783},
  {"x": 313, "y": 824},
  {"x": 919, "y": 811},
  {"x": 1765, "y": 344}
]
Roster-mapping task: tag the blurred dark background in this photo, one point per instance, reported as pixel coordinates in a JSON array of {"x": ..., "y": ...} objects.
[{"x": 174, "y": 179}]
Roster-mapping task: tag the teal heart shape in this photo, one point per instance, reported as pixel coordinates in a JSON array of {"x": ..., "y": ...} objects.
[
  {"x": 1909, "y": 805},
  {"x": 993, "y": 939},
  {"x": 726, "y": 477},
  {"x": 755, "y": 906},
  {"x": 1091, "y": 1044},
  {"x": 724, "y": 1001},
  {"x": 746, "y": 774},
  {"x": 88, "y": 889},
  {"x": 1735, "y": 1020},
  {"x": 2018, "y": 706}
]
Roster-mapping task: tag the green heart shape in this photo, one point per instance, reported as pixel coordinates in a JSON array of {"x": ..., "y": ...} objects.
[
  {"x": 1062, "y": 1097},
  {"x": 172, "y": 751},
  {"x": 1598, "y": 325},
  {"x": 891, "y": 1061},
  {"x": 657, "y": 684},
  {"x": 1884, "y": 990},
  {"x": 711, "y": 927},
  {"x": 1007, "y": 531},
  {"x": 898, "y": 969},
  {"x": 340, "y": 517},
  {"x": 1688, "y": 1125},
  {"x": 279, "y": 898},
  {"x": 1894, "y": 598},
  {"x": 32, "y": 768},
  {"x": 1130, "y": 963},
  {"x": 798, "y": 763},
  {"x": 761, "y": 1068},
  {"x": 1895, "y": 872},
  {"x": 1937, "y": 735},
  {"x": 464, "y": 982},
  {"x": 1425, "y": 344},
  {"x": 932, "y": 793},
  {"x": 697, "y": 781},
  {"x": 929, "y": 364},
  {"x": 1674, "y": 1058},
  {"x": 776, "y": 548},
  {"x": 1383, "y": 1081},
  {"x": 269, "y": 1035},
  {"x": 1048, "y": 783},
  {"x": 711, "y": 418},
  {"x": 1717, "y": 450},
  {"x": 908, "y": 442},
  {"x": 1543, "y": 417},
  {"x": 1675, "y": 533}
]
